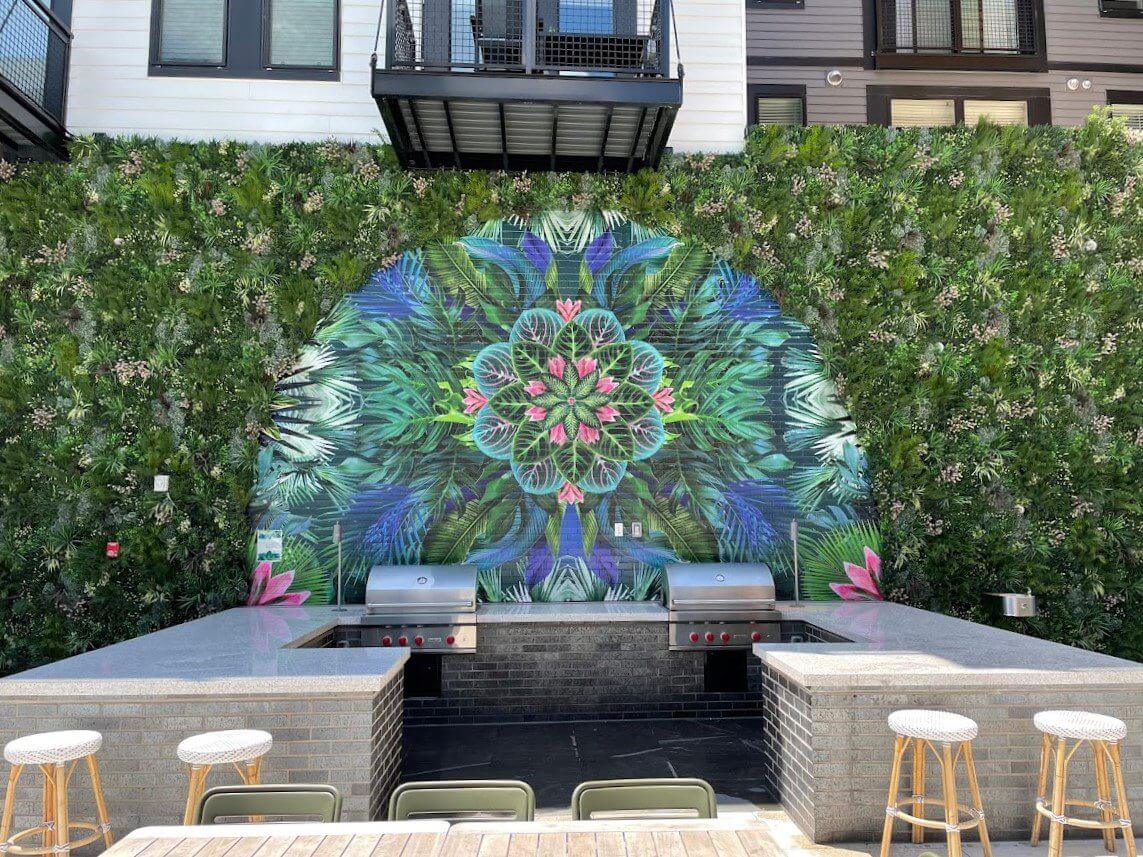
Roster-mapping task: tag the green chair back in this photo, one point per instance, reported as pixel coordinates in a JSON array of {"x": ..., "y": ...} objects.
[
  {"x": 658, "y": 797},
  {"x": 269, "y": 802},
  {"x": 464, "y": 800}
]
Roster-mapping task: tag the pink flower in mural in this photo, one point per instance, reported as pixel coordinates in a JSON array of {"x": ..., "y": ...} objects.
[
  {"x": 587, "y": 434},
  {"x": 570, "y": 494},
  {"x": 267, "y": 588},
  {"x": 536, "y": 414},
  {"x": 535, "y": 387},
  {"x": 606, "y": 414},
  {"x": 585, "y": 366},
  {"x": 568, "y": 309},
  {"x": 864, "y": 586},
  {"x": 605, "y": 384},
  {"x": 556, "y": 366},
  {"x": 474, "y": 400},
  {"x": 558, "y": 435},
  {"x": 664, "y": 399}
]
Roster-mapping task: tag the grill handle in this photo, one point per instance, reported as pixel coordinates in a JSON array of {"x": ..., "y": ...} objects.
[
  {"x": 737, "y": 602},
  {"x": 407, "y": 604}
]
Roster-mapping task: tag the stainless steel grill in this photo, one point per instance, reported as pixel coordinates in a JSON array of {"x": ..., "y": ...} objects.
[
  {"x": 720, "y": 605},
  {"x": 429, "y": 608}
]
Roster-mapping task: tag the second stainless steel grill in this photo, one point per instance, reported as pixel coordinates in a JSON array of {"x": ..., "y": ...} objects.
[
  {"x": 720, "y": 605},
  {"x": 429, "y": 608}
]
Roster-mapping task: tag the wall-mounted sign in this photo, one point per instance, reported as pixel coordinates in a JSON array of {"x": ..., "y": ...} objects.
[
  {"x": 162, "y": 483},
  {"x": 269, "y": 546}
]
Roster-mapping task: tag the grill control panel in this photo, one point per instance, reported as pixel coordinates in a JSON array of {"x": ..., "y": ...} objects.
[
  {"x": 445, "y": 639},
  {"x": 684, "y": 636}
]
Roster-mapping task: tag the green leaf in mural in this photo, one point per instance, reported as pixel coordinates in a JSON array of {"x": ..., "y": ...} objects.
[
  {"x": 615, "y": 442},
  {"x": 631, "y": 402},
  {"x": 511, "y": 402},
  {"x": 572, "y": 343},
  {"x": 531, "y": 444},
  {"x": 692, "y": 540},
  {"x": 450, "y": 539},
  {"x": 530, "y": 359},
  {"x": 589, "y": 528},
  {"x": 451, "y": 265},
  {"x": 615, "y": 360},
  {"x": 574, "y": 460},
  {"x": 671, "y": 282}
]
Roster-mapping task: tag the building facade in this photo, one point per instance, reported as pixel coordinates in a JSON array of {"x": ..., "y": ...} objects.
[{"x": 576, "y": 84}]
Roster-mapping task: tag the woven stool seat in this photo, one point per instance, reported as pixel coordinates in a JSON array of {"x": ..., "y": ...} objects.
[
  {"x": 52, "y": 748},
  {"x": 231, "y": 745},
  {"x": 1081, "y": 725},
  {"x": 932, "y": 725}
]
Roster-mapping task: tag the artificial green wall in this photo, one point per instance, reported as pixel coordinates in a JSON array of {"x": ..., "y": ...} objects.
[{"x": 975, "y": 293}]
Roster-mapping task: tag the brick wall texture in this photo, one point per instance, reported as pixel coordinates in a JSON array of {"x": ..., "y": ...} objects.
[{"x": 350, "y": 741}]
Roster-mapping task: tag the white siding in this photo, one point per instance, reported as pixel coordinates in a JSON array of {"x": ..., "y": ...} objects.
[
  {"x": 111, "y": 92},
  {"x": 712, "y": 49}
]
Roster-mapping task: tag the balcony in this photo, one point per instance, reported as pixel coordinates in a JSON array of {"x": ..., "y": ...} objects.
[
  {"x": 997, "y": 35},
  {"x": 527, "y": 84},
  {"x": 34, "y": 53}
]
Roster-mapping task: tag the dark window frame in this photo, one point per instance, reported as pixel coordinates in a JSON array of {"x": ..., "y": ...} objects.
[
  {"x": 1118, "y": 12},
  {"x": 245, "y": 49},
  {"x": 775, "y": 4},
  {"x": 1124, "y": 96},
  {"x": 878, "y": 98},
  {"x": 754, "y": 91}
]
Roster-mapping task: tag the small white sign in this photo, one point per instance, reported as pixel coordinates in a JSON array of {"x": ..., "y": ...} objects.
[
  {"x": 618, "y": 529},
  {"x": 268, "y": 547},
  {"x": 162, "y": 483},
  {"x": 636, "y": 530}
]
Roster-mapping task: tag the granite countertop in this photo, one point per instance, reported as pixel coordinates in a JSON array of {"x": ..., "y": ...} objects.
[
  {"x": 895, "y": 646},
  {"x": 238, "y": 651}
]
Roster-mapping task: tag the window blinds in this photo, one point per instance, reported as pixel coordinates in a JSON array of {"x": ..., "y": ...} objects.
[
  {"x": 921, "y": 112},
  {"x": 193, "y": 31},
  {"x": 1133, "y": 113},
  {"x": 996, "y": 112},
  {"x": 303, "y": 33},
  {"x": 779, "y": 111}
]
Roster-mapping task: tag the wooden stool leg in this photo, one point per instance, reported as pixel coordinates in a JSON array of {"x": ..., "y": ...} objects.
[
  {"x": 1121, "y": 798},
  {"x": 63, "y": 827},
  {"x": 194, "y": 790},
  {"x": 1042, "y": 784},
  {"x": 48, "y": 837},
  {"x": 1103, "y": 792},
  {"x": 918, "y": 788},
  {"x": 100, "y": 802},
  {"x": 952, "y": 813},
  {"x": 894, "y": 782},
  {"x": 252, "y": 775},
  {"x": 9, "y": 802},
  {"x": 1059, "y": 783},
  {"x": 977, "y": 802}
]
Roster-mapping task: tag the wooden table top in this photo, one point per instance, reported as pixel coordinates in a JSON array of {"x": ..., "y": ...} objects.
[{"x": 673, "y": 838}]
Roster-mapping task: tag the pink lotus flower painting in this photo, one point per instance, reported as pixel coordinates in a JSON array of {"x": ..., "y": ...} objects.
[
  {"x": 864, "y": 585},
  {"x": 269, "y": 589}
]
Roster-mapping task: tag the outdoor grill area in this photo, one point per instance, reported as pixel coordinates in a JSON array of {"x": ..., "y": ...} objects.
[{"x": 813, "y": 709}]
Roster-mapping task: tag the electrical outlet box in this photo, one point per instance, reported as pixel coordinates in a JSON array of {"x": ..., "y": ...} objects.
[
  {"x": 162, "y": 483},
  {"x": 636, "y": 530},
  {"x": 618, "y": 529}
]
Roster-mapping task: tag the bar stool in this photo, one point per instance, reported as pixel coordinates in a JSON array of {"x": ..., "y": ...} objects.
[
  {"x": 243, "y": 748},
  {"x": 52, "y": 752},
  {"x": 918, "y": 729},
  {"x": 1103, "y": 733}
]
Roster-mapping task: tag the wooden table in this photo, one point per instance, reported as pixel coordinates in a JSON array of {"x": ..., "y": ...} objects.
[{"x": 673, "y": 838}]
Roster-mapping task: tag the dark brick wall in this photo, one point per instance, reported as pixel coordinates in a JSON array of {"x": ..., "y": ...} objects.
[
  {"x": 534, "y": 671},
  {"x": 385, "y": 760}
]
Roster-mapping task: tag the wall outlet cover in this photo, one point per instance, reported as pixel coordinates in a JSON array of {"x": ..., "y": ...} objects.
[
  {"x": 162, "y": 483},
  {"x": 636, "y": 530},
  {"x": 618, "y": 529}
]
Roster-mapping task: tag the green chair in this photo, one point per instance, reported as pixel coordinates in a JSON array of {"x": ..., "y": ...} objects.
[
  {"x": 280, "y": 802},
  {"x": 651, "y": 797},
  {"x": 464, "y": 800}
]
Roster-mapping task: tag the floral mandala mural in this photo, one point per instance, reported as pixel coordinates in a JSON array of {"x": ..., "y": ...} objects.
[{"x": 508, "y": 398}]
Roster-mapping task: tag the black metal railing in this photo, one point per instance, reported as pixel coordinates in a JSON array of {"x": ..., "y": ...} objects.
[
  {"x": 612, "y": 37},
  {"x": 960, "y": 27},
  {"x": 35, "y": 48}
]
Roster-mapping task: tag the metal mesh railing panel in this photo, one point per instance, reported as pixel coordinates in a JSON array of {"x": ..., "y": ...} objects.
[
  {"x": 972, "y": 27},
  {"x": 33, "y": 55}
]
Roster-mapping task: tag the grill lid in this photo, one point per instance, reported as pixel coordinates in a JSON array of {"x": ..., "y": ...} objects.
[
  {"x": 712, "y": 588},
  {"x": 404, "y": 590}
]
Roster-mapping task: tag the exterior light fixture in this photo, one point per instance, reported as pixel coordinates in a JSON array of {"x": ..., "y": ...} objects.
[
  {"x": 1072, "y": 84},
  {"x": 834, "y": 77},
  {"x": 1086, "y": 84}
]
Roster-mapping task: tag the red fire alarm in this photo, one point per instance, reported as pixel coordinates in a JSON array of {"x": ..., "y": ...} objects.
[{"x": 112, "y": 550}]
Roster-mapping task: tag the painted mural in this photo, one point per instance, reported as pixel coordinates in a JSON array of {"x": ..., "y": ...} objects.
[{"x": 570, "y": 402}]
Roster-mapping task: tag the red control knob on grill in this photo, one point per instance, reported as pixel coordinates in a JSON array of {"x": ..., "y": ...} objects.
[
  {"x": 694, "y": 637},
  {"x": 709, "y": 637},
  {"x": 386, "y": 641},
  {"x": 450, "y": 639},
  {"x": 418, "y": 641},
  {"x": 725, "y": 637},
  {"x": 756, "y": 636},
  {"x": 402, "y": 641}
]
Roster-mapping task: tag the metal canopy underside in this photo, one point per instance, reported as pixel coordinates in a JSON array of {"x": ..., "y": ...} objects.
[
  {"x": 535, "y": 122},
  {"x": 27, "y": 132}
]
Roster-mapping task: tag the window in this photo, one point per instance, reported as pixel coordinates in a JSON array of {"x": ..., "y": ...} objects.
[
  {"x": 303, "y": 33},
  {"x": 776, "y": 105},
  {"x": 1128, "y": 106},
  {"x": 245, "y": 38},
  {"x": 192, "y": 32},
  {"x": 932, "y": 106},
  {"x": 1121, "y": 8}
]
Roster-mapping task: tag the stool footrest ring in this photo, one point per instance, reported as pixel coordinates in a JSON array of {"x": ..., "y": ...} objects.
[
  {"x": 972, "y": 820},
  {"x": 1088, "y": 824}
]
